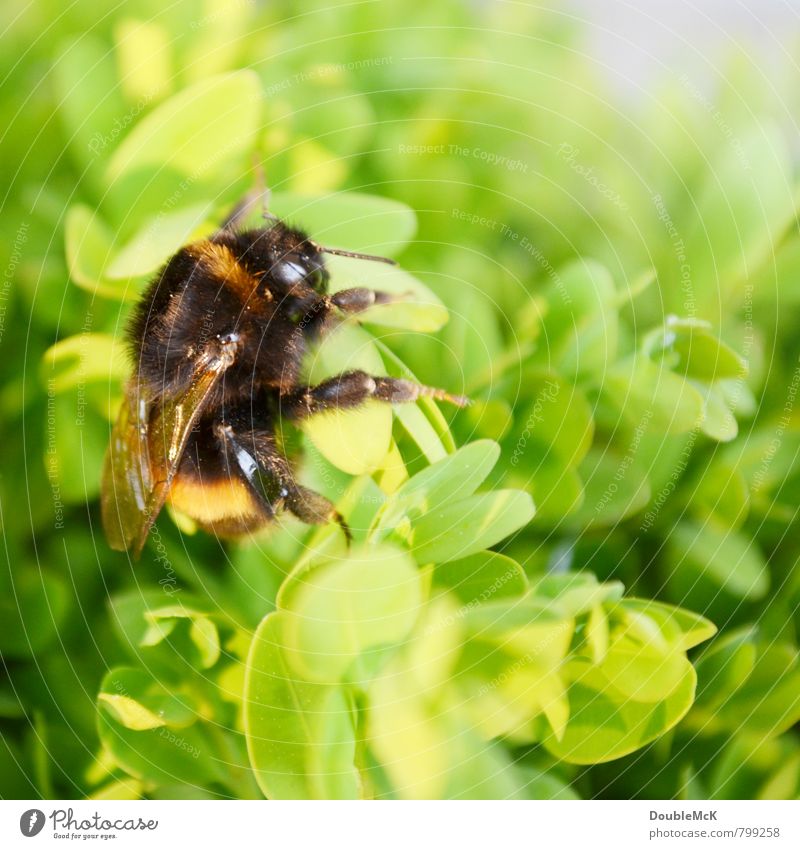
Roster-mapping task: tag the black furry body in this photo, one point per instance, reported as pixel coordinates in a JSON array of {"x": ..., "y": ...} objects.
[{"x": 238, "y": 285}]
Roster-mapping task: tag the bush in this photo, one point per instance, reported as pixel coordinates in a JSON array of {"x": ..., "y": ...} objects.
[{"x": 616, "y": 292}]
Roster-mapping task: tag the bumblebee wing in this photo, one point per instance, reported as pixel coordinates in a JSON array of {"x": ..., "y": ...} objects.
[
  {"x": 127, "y": 477},
  {"x": 143, "y": 465}
]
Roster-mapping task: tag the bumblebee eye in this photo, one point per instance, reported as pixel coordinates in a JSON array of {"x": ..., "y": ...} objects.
[
  {"x": 289, "y": 273},
  {"x": 317, "y": 278}
]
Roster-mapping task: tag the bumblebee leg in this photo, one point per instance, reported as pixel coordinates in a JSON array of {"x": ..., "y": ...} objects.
[
  {"x": 319, "y": 315},
  {"x": 254, "y": 456},
  {"x": 353, "y": 388},
  {"x": 351, "y": 301},
  {"x": 314, "y": 509}
]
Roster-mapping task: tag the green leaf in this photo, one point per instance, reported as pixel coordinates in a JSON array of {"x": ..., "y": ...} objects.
[
  {"x": 767, "y": 703},
  {"x": 718, "y": 421},
  {"x": 492, "y": 418},
  {"x": 76, "y": 445},
  {"x": 156, "y": 241},
  {"x": 558, "y": 423},
  {"x": 137, "y": 701},
  {"x": 143, "y": 57},
  {"x": 615, "y": 487},
  {"x": 160, "y": 636},
  {"x": 482, "y": 577},
  {"x": 581, "y": 326},
  {"x": 576, "y": 593},
  {"x": 461, "y": 528},
  {"x": 557, "y": 490},
  {"x": 203, "y": 632},
  {"x": 444, "y": 481},
  {"x": 32, "y": 610},
  {"x": 127, "y": 790},
  {"x": 91, "y": 107},
  {"x": 300, "y": 735},
  {"x": 77, "y": 360},
  {"x": 510, "y": 670},
  {"x": 724, "y": 667},
  {"x": 350, "y": 220},
  {"x": 346, "y": 612},
  {"x": 641, "y": 673},
  {"x": 205, "y": 636},
  {"x": 174, "y": 751},
  {"x": 418, "y": 426},
  {"x": 196, "y": 131},
  {"x": 603, "y": 725},
  {"x": 354, "y": 440},
  {"x": 89, "y": 245},
  {"x": 597, "y": 634},
  {"x": 544, "y": 785},
  {"x": 427, "y": 752},
  {"x": 701, "y": 355},
  {"x": 648, "y": 391},
  {"x": 725, "y": 556},
  {"x": 680, "y": 628},
  {"x": 424, "y": 421},
  {"x": 130, "y": 713},
  {"x": 721, "y": 493}
]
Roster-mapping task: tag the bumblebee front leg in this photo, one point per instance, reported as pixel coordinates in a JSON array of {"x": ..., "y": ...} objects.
[
  {"x": 319, "y": 315},
  {"x": 353, "y": 388},
  {"x": 356, "y": 300}
]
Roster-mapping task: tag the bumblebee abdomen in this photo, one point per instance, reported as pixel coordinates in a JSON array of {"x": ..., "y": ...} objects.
[{"x": 224, "y": 505}]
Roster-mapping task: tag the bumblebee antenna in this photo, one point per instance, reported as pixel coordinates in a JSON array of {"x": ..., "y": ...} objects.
[{"x": 341, "y": 252}]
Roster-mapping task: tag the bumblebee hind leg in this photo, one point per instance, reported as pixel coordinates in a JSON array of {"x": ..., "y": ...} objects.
[{"x": 253, "y": 456}]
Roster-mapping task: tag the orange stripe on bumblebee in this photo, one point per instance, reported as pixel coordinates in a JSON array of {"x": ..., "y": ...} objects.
[{"x": 220, "y": 261}]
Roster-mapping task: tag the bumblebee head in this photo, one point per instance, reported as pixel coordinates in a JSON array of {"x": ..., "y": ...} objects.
[{"x": 298, "y": 259}]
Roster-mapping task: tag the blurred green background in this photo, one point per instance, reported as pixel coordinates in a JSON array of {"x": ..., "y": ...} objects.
[{"x": 621, "y": 276}]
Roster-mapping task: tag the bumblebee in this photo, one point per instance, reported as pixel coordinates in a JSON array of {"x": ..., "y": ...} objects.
[{"x": 218, "y": 341}]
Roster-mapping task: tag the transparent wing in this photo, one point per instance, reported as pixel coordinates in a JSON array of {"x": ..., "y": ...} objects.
[
  {"x": 147, "y": 443},
  {"x": 127, "y": 477}
]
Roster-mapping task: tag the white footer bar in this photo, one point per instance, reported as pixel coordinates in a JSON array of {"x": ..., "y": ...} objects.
[{"x": 405, "y": 825}]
